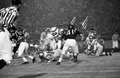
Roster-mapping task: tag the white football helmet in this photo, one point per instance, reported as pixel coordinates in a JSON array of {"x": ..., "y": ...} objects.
[{"x": 54, "y": 31}]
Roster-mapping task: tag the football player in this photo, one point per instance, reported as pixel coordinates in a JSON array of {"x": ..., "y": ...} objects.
[
  {"x": 23, "y": 47},
  {"x": 54, "y": 31},
  {"x": 92, "y": 33},
  {"x": 5, "y": 47},
  {"x": 71, "y": 34},
  {"x": 94, "y": 46}
]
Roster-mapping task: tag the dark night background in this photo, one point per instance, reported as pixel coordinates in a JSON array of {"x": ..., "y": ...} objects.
[{"x": 36, "y": 15}]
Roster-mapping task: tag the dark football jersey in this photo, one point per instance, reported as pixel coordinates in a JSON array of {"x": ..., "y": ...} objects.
[
  {"x": 20, "y": 36},
  {"x": 72, "y": 34},
  {"x": 13, "y": 36}
]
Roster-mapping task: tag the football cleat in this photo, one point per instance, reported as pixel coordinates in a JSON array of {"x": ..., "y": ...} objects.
[
  {"x": 33, "y": 60},
  {"x": 75, "y": 59},
  {"x": 25, "y": 62},
  {"x": 58, "y": 63},
  {"x": 110, "y": 54}
]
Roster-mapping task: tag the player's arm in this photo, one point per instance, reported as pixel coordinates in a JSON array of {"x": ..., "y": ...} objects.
[
  {"x": 1, "y": 15},
  {"x": 77, "y": 31},
  {"x": 95, "y": 45},
  {"x": 87, "y": 41},
  {"x": 82, "y": 37},
  {"x": 113, "y": 37}
]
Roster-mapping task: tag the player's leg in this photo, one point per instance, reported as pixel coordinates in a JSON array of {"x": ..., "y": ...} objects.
[
  {"x": 56, "y": 54},
  {"x": 21, "y": 49},
  {"x": 65, "y": 47},
  {"x": 53, "y": 44},
  {"x": 25, "y": 61},
  {"x": 32, "y": 57},
  {"x": 26, "y": 46},
  {"x": 21, "y": 53},
  {"x": 75, "y": 54},
  {"x": 88, "y": 49},
  {"x": 57, "y": 51},
  {"x": 15, "y": 49},
  {"x": 113, "y": 46},
  {"x": 25, "y": 52},
  {"x": 59, "y": 44},
  {"x": 99, "y": 50},
  {"x": 116, "y": 44}
]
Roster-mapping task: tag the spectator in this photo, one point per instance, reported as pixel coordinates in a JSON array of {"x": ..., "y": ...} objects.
[{"x": 115, "y": 39}]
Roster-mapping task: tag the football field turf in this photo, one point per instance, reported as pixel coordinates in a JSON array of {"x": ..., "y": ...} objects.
[{"x": 87, "y": 67}]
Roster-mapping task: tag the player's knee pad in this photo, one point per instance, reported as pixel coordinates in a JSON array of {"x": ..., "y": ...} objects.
[{"x": 2, "y": 64}]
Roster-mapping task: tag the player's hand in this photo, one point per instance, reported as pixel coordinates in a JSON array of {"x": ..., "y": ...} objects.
[{"x": 82, "y": 37}]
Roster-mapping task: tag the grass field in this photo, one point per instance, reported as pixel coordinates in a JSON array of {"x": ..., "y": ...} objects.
[
  {"x": 87, "y": 67},
  {"x": 36, "y": 15}
]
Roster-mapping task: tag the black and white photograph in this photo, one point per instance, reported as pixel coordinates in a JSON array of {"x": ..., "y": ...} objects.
[{"x": 59, "y": 39}]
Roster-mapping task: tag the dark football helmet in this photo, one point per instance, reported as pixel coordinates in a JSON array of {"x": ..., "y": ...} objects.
[{"x": 71, "y": 26}]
